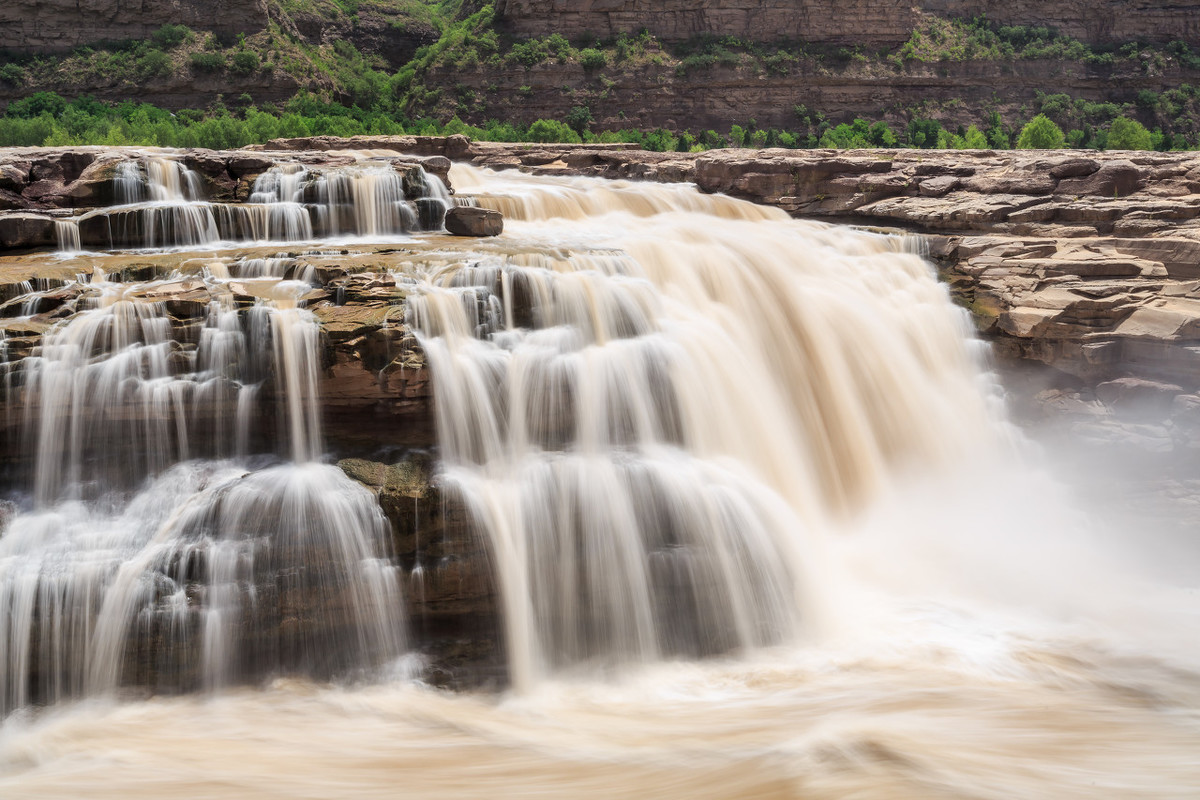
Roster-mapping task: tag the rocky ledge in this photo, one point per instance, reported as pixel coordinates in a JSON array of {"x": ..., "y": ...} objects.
[{"x": 41, "y": 187}]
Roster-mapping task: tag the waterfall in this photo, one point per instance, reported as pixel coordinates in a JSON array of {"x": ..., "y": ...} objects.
[
  {"x": 142, "y": 565},
  {"x": 742, "y": 499},
  {"x": 653, "y": 432},
  {"x": 66, "y": 231},
  {"x": 161, "y": 204}
]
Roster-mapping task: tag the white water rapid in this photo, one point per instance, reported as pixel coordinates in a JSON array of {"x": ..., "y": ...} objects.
[
  {"x": 160, "y": 202},
  {"x": 138, "y": 564},
  {"x": 756, "y": 519}
]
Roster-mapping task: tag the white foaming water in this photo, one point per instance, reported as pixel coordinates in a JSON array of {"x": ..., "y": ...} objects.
[
  {"x": 686, "y": 426},
  {"x": 66, "y": 231},
  {"x": 140, "y": 567},
  {"x": 161, "y": 203},
  {"x": 656, "y": 427}
]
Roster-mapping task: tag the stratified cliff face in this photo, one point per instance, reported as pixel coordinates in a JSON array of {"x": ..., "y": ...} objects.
[
  {"x": 42, "y": 26},
  {"x": 1096, "y": 21},
  {"x": 866, "y": 22},
  {"x": 870, "y": 23}
]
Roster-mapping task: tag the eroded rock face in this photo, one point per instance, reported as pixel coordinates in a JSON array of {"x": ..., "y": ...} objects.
[
  {"x": 1103, "y": 291},
  {"x": 375, "y": 391},
  {"x": 58, "y": 25},
  {"x": 869, "y": 22},
  {"x": 25, "y": 231},
  {"x": 1085, "y": 264},
  {"x": 451, "y": 595},
  {"x": 469, "y": 221}
]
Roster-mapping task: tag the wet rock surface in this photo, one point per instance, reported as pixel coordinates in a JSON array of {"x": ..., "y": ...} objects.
[{"x": 469, "y": 221}]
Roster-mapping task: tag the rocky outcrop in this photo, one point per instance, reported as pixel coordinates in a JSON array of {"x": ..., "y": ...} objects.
[
  {"x": 452, "y": 593},
  {"x": 637, "y": 94},
  {"x": 869, "y": 23},
  {"x": 41, "y": 26},
  {"x": 24, "y": 231},
  {"x": 469, "y": 221},
  {"x": 393, "y": 37},
  {"x": 1085, "y": 263}
]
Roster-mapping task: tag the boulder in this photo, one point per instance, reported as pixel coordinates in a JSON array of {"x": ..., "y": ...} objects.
[
  {"x": 1136, "y": 397},
  {"x": 1114, "y": 179},
  {"x": 96, "y": 184},
  {"x": 21, "y": 231},
  {"x": 939, "y": 185},
  {"x": 1070, "y": 167},
  {"x": 14, "y": 176},
  {"x": 473, "y": 221}
]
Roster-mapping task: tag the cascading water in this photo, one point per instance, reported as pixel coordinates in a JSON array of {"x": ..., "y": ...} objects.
[
  {"x": 683, "y": 425},
  {"x": 161, "y": 203},
  {"x": 138, "y": 564},
  {"x": 639, "y": 499}
]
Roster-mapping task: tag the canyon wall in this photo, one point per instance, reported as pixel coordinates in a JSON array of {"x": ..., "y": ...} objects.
[
  {"x": 657, "y": 96},
  {"x": 870, "y": 23},
  {"x": 46, "y": 26}
]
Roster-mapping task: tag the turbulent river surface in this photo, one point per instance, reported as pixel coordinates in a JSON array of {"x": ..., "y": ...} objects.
[{"x": 758, "y": 523}]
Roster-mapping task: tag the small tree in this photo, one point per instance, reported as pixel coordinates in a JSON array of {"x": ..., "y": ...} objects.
[
  {"x": 592, "y": 59},
  {"x": 974, "y": 139},
  {"x": 923, "y": 133},
  {"x": 1040, "y": 133},
  {"x": 1129, "y": 134},
  {"x": 579, "y": 118}
]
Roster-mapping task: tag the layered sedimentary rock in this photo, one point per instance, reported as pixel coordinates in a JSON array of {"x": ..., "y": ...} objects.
[
  {"x": 856, "y": 22},
  {"x": 39, "y": 26},
  {"x": 1088, "y": 263},
  {"x": 648, "y": 96}
]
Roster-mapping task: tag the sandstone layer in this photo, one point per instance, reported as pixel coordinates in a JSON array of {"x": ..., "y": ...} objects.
[
  {"x": 650, "y": 96},
  {"x": 41, "y": 26},
  {"x": 851, "y": 22}
]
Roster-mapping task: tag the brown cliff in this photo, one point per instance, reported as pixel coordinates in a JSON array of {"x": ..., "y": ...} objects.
[
  {"x": 49, "y": 26},
  {"x": 867, "y": 23}
]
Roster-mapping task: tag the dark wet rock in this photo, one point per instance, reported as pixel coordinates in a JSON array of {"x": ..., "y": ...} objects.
[
  {"x": 23, "y": 231},
  {"x": 431, "y": 212},
  {"x": 472, "y": 221},
  {"x": 95, "y": 185}
]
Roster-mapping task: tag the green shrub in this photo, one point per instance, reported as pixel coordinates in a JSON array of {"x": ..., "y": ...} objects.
[
  {"x": 975, "y": 139},
  {"x": 551, "y": 130},
  {"x": 12, "y": 74},
  {"x": 245, "y": 62},
  {"x": 710, "y": 139},
  {"x": 592, "y": 59},
  {"x": 1129, "y": 134},
  {"x": 579, "y": 118},
  {"x": 529, "y": 53},
  {"x": 37, "y": 104},
  {"x": 923, "y": 133},
  {"x": 154, "y": 64},
  {"x": 1040, "y": 133},
  {"x": 558, "y": 46},
  {"x": 169, "y": 36},
  {"x": 207, "y": 62}
]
